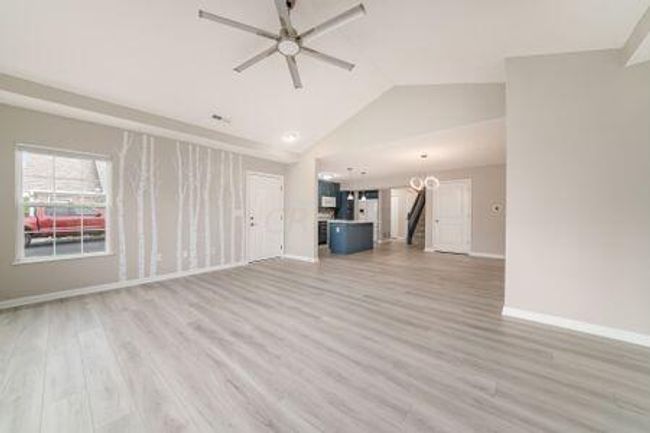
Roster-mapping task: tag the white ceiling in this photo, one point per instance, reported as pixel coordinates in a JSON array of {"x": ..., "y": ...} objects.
[
  {"x": 473, "y": 145},
  {"x": 159, "y": 57}
]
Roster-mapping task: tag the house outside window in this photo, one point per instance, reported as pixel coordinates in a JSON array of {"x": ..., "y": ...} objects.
[{"x": 63, "y": 204}]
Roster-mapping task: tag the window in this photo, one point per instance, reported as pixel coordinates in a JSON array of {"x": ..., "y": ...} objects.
[{"x": 63, "y": 204}]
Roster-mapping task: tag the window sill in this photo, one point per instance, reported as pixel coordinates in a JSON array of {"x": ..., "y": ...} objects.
[{"x": 29, "y": 260}]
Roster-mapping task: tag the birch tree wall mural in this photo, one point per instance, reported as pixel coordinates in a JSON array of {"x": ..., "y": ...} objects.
[
  {"x": 153, "y": 198},
  {"x": 242, "y": 217},
  {"x": 142, "y": 185},
  {"x": 206, "y": 209},
  {"x": 233, "y": 213},
  {"x": 121, "y": 232},
  {"x": 182, "y": 185},
  {"x": 198, "y": 176},
  {"x": 190, "y": 182},
  {"x": 222, "y": 191},
  {"x": 205, "y": 192}
]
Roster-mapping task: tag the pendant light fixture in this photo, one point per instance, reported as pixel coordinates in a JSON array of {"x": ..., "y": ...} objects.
[{"x": 417, "y": 183}]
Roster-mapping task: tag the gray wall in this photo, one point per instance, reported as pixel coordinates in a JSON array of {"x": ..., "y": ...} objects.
[
  {"x": 578, "y": 239},
  {"x": 301, "y": 204},
  {"x": 24, "y": 126}
]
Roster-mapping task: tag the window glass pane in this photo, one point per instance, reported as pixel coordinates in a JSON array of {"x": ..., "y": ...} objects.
[
  {"x": 67, "y": 230},
  {"x": 94, "y": 200},
  {"x": 38, "y": 175},
  {"x": 38, "y": 231},
  {"x": 79, "y": 175},
  {"x": 95, "y": 242}
]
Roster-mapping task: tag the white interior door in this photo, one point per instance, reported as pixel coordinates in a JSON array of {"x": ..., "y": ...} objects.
[
  {"x": 394, "y": 216},
  {"x": 265, "y": 219},
  {"x": 452, "y": 216}
]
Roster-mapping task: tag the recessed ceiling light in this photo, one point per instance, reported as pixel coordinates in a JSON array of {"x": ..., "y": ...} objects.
[{"x": 290, "y": 137}]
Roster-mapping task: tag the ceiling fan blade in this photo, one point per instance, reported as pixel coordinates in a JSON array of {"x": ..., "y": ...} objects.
[
  {"x": 285, "y": 19},
  {"x": 236, "y": 24},
  {"x": 257, "y": 58},
  {"x": 293, "y": 69},
  {"x": 343, "y": 18},
  {"x": 327, "y": 58}
]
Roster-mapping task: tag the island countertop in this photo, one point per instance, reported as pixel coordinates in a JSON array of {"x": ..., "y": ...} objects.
[{"x": 349, "y": 222}]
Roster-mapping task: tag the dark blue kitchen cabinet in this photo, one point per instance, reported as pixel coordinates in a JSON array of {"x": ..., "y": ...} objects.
[
  {"x": 347, "y": 237},
  {"x": 345, "y": 207},
  {"x": 371, "y": 194},
  {"x": 327, "y": 189}
]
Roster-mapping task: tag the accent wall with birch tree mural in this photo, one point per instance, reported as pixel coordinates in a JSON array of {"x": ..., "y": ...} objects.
[
  {"x": 178, "y": 206},
  {"x": 174, "y": 207}
]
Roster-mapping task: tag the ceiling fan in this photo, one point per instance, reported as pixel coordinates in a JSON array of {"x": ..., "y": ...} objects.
[{"x": 289, "y": 42}]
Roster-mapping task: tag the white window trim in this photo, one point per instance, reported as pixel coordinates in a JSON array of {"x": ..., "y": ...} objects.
[{"x": 19, "y": 250}]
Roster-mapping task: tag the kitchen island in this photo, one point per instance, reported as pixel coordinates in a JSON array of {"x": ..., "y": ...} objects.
[{"x": 350, "y": 236}]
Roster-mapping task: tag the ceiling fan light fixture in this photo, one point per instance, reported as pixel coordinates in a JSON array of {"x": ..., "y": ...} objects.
[{"x": 288, "y": 47}]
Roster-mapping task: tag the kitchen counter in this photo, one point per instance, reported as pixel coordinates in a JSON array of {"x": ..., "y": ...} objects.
[
  {"x": 347, "y": 237},
  {"x": 349, "y": 222}
]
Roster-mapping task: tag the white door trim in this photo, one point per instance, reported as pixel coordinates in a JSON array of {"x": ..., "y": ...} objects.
[
  {"x": 249, "y": 174},
  {"x": 468, "y": 220}
]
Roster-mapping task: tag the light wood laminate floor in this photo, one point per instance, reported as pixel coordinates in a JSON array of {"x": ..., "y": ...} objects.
[{"x": 393, "y": 340}]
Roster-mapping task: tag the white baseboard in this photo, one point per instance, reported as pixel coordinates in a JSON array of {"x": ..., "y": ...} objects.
[
  {"x": 300, "y": 258},
  {"x": 575, "y": 325},
  {"x": 487, "y": 255},
  {"x": 429, "y": 250},
  {"x": 35, "y": 299}
]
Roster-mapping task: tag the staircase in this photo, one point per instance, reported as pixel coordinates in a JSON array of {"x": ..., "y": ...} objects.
[
  {"x": 418, "y": 235},
  {"x": 415, "y": 232}
]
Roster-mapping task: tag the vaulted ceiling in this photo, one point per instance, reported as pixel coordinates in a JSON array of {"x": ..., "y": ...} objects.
[{"x": 161, "y": 58}]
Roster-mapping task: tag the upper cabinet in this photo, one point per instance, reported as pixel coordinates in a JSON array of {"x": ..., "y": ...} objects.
[{"x": 329, "y": 190}]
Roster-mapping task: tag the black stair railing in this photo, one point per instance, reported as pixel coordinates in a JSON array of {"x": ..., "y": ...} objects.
[{"x": 414, "y": 215}]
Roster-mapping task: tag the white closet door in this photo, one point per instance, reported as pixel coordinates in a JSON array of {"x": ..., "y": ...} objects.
[{"x": 452, "y": 214}]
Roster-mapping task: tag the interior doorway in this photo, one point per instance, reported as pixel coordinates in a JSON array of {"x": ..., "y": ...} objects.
[
  {"x": 401, "y": 202},
  {"x": 394, "y": 216}
]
